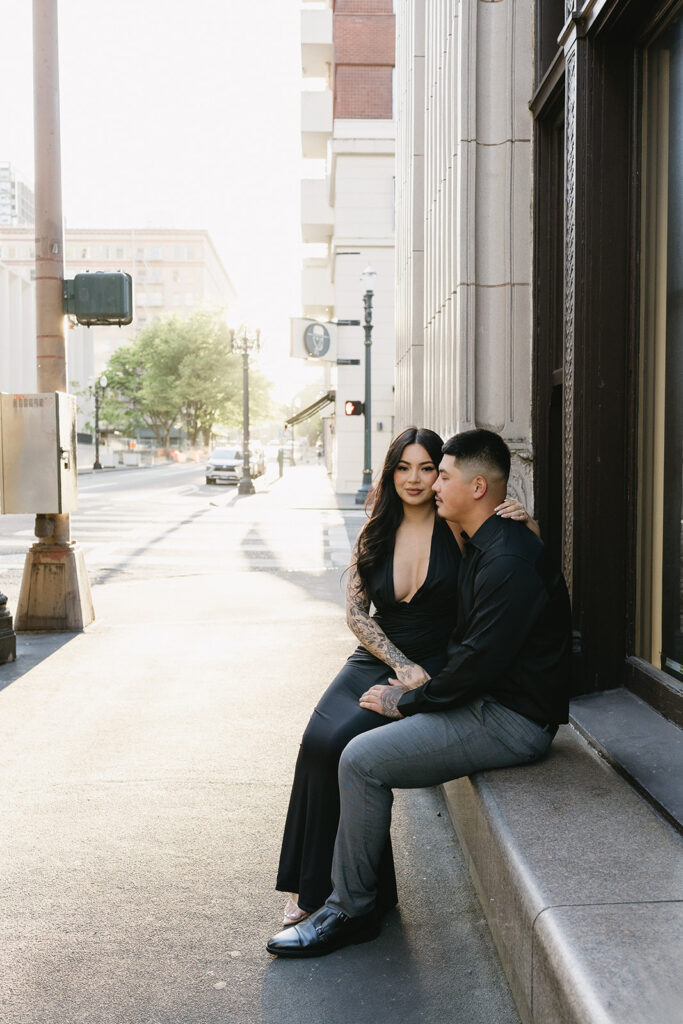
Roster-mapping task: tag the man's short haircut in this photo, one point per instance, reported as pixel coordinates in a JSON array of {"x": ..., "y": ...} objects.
[{"x": 484, "y": 452}]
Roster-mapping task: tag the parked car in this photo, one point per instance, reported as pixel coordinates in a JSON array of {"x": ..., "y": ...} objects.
[{"x": 224, "y": 465}]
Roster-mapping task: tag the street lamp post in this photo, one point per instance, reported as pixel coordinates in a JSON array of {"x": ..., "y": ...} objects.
[
  {"x": 243, "y": 342},
  {"x": 98, "y": 390},
  {"x": 368, "y": 278}
]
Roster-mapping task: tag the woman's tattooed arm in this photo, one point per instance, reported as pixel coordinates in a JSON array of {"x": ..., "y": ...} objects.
[{"x": 372, "y": 637}]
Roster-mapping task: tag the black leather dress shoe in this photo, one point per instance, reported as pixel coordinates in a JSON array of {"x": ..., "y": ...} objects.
[{"x": 322, "y": 933}]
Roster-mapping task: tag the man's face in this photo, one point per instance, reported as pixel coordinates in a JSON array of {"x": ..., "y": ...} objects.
[{"x": 453, "y": 492}]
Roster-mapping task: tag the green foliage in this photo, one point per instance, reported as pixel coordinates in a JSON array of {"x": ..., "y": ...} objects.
[{"x": 180, "y": 371}]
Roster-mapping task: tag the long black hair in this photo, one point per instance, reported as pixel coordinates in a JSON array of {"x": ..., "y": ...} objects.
[{"x": 376, "y": 539}]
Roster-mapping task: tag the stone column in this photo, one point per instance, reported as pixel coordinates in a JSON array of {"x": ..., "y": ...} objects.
[
  {"x": 410, "y": 71},
  {"x": 489, "y": 287}
]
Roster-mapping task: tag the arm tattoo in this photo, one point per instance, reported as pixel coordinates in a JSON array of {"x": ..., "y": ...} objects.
[{"x": 360, "y": 622}]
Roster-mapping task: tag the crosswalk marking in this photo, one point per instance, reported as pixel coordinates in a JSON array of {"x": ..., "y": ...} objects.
[{"x": 214, "y": 541}]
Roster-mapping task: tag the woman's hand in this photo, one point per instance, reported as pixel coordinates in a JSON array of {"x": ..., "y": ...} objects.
[
  {"x": 513, "y": 509},
  {"x": 411, "y": 676}
]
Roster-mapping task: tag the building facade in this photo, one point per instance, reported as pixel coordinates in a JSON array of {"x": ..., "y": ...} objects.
[
  {"x": 348, "y": 211},
  {"x": 608, "y": 358},
  {"x": 463, "y": 194},
  {"x": 17, "y": 201},
  {"x": 539, "y": 254},
  {"x": 17, "y": 331}
]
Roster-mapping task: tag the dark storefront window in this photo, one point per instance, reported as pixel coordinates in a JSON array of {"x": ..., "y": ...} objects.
[
  {"x": 660, "y": 547},
  {"x": 549, "y": 263},
  {"x": 550, "y": 18}
]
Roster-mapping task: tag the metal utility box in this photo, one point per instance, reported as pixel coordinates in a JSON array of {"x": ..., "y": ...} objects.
[
  {"x": 100, "y": 298},
  {"x": 38, "y": 453}
]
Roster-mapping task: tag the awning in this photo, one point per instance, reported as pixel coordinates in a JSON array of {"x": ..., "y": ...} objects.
[{"x": 312, "y": 409}]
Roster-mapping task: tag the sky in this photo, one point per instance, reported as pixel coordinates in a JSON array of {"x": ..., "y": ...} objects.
[{"x": 179, "y": 115}]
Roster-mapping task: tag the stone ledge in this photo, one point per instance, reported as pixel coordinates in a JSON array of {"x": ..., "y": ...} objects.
[
  {"x": 637, "y": 741},
  {"x": 582, "y": 886}
]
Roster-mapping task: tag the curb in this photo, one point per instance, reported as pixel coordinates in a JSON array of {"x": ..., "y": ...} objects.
[{"x": 580, "y": 885}]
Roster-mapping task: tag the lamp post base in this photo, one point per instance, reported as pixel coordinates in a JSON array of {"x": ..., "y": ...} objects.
[
  {"x": 97, "y": 464},
  {"x": 55, "y": 591},
  {"x": 246, "y": 486},
  {"x": 365, "y": 487}
]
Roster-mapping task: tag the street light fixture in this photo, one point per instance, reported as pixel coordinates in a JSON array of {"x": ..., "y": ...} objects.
[
  {"x": 243, "y": 342},
  {"x": 97, "y": 390},
  {"x": 368, "y": 279}
]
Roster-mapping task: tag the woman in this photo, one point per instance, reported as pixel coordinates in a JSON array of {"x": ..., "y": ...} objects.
[{"x": 405, "y": 562}]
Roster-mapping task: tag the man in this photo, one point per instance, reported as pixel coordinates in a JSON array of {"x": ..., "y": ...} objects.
[{"x": 497, "y": 702}]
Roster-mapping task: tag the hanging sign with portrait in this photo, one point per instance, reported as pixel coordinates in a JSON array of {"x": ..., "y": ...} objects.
[{"x": 313, "y": 339}]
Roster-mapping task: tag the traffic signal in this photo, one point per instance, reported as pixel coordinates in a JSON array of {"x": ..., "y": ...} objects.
[
  {"x": 99, "y": 298},
  {"x": 352, "y": 408}
]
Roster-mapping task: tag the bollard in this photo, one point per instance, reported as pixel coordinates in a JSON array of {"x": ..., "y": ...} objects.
[
  {"x": 8, "y": 638},
  {"x": 280, "y": 462}
]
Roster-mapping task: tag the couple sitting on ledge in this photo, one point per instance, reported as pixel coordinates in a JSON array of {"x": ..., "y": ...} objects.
[{"x": 464, "y": 664}]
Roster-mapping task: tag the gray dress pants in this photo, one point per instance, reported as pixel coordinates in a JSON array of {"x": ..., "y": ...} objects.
[{"x": 423, "y": 750}]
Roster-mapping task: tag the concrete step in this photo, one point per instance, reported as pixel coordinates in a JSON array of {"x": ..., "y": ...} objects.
[
  {"x": 582, "y": 886},
  {"x": 644, "y": 747}
]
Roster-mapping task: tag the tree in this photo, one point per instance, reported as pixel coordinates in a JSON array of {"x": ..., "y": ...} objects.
[
  {"x": 142, "y": 384},
  {"x": 180, "y": 370},
  {"x": 261, "y": 408},
  {"x": 208, "y": 374},
  {"x": 210, "y": 380}
]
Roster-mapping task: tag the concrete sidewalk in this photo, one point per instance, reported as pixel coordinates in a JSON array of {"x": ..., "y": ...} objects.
[
  {"x": 146, "y": 766},
  {"x": 308, "y": 486}
]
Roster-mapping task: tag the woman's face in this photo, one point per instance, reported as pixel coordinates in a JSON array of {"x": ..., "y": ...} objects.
[{"x": 414, "y": 475}]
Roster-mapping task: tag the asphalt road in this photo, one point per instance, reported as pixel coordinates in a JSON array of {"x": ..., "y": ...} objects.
[{"x": 146, "y": 765}]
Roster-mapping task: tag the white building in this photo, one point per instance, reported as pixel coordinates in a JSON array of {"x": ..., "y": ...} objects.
[
  {"x": 17, "y": 200},
  {"x": 348, "y": 213},
  {"x": 17, "y": 332}
]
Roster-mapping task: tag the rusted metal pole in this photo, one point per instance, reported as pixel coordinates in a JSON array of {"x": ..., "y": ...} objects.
[
  {"x": 50, "y": 322},
  {"x": 55, "y": 591}
]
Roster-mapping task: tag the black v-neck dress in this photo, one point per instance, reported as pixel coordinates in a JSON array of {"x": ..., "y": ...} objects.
[{"x": 420, "y": 629}]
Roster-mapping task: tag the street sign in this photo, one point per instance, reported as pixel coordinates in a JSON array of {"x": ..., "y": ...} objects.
[
  {"x": 348, "y": 362},
  {"x": 317, "y": 340}
]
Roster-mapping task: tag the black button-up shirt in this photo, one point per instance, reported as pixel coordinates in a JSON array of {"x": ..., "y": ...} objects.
[{"x": 512, "y": 640}]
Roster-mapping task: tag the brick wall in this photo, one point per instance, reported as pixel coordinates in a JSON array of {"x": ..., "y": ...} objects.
[
  {"x": 363, "y": 7},
  {"x": 364, "y": 53},
  {"x": 359, "y": 39},
  {"x": 362, "y": 91}
]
